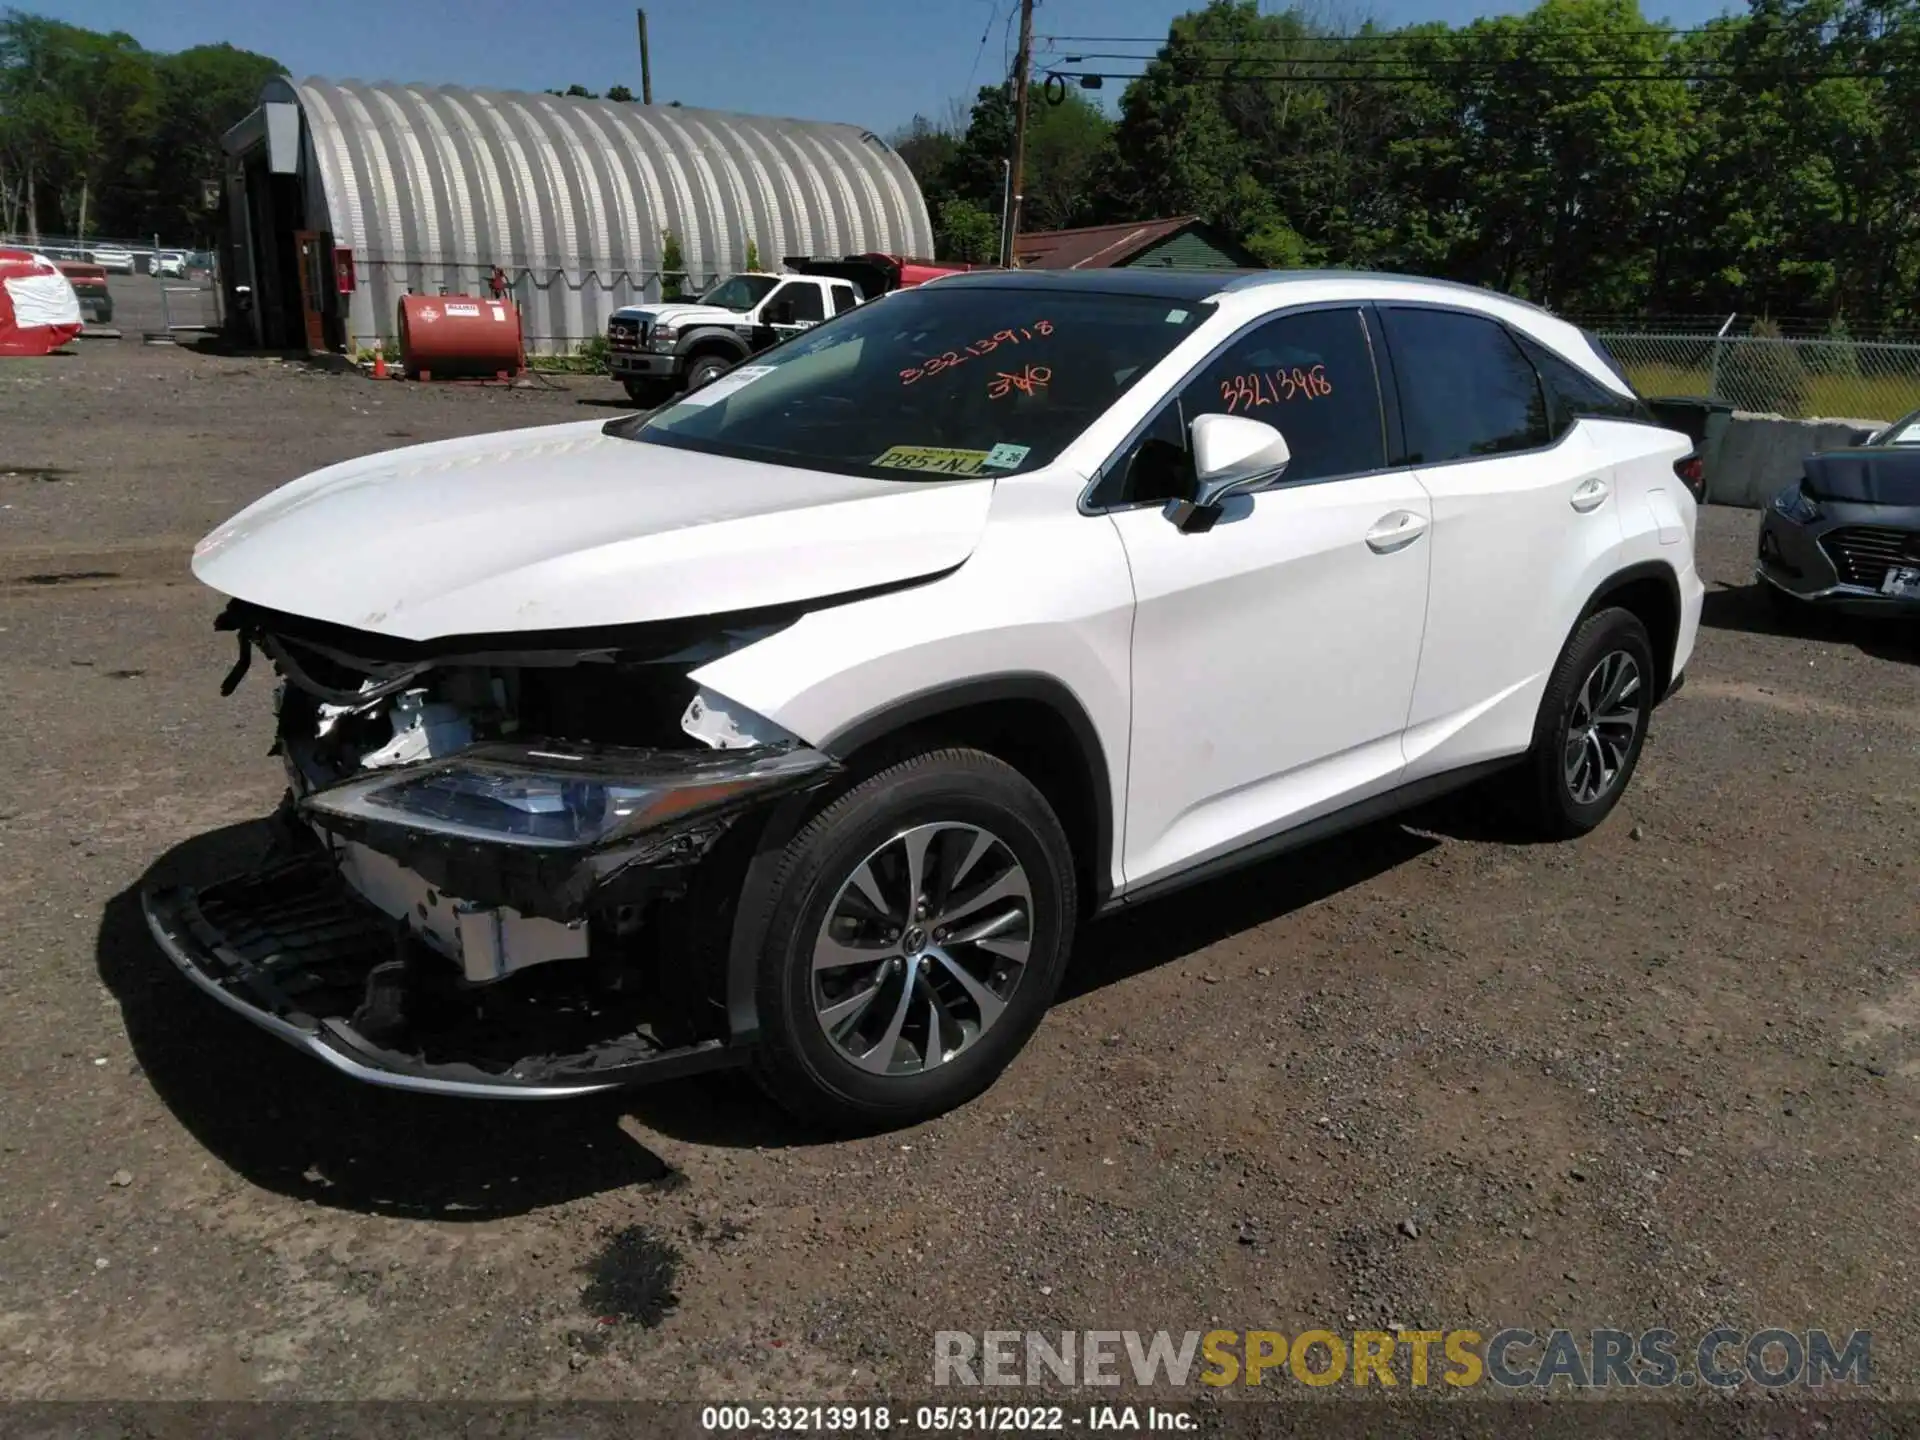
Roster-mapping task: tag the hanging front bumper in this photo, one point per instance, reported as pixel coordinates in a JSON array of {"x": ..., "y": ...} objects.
[{"x": 294, "y": 951}]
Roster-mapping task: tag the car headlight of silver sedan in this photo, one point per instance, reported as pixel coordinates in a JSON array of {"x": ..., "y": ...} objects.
[{"x": 564, "y": 797}]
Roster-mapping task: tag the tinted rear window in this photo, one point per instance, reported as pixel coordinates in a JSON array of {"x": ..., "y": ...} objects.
[{"x": 1466, "y": 389}]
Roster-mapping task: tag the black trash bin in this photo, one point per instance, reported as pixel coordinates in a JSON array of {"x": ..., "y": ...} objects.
[{"x": 1702, "y": 420}]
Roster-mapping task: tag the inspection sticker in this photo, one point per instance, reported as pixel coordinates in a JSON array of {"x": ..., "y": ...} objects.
[
  {"x": 1006, "y": 457},
  {"x": 715, "y": 391},
  {"x": 933, "y": 458}
]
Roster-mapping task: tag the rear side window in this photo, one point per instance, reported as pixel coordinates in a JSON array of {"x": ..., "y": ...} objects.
[
  {"x": 844, "y": 299},
  {"x": 1575, "y": 393},
  {"x": 1466, "y": 389}
]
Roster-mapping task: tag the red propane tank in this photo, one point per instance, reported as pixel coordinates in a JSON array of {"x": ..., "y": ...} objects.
[{"x": 449, "y": 336}]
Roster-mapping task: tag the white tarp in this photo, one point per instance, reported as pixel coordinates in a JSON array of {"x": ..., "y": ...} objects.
[{"x": 42, "y": 300}]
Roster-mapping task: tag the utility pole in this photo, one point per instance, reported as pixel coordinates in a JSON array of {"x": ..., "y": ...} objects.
[
  {"x": 1010, "y": 224},
  {"x": 646, "y": 63}
]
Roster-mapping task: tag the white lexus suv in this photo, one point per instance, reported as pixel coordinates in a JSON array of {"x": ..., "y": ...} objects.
[{"x": 799, "y": 724}]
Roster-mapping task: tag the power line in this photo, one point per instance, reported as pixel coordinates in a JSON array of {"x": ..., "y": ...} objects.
[
  {"x": 1393, "y": 36},
  {"x": 1223, "y": 68},
  {"x": 1411, "y": 70},
  {"x": 993, "y": 14}
]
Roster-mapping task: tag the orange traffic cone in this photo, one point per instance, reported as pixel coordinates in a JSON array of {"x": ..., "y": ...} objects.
[{"x": 379, "y": 362}]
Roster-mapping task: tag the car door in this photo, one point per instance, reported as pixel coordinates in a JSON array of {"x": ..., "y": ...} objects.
[
  {"x": 794, "y": 307},
  {"x": 1523, "y": 516},
  {"x": 1274, "y": 655}
]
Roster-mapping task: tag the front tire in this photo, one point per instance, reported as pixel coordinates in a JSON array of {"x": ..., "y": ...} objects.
[
  {"x": 917, "y": 930},
  {"x": 1591, "y": 727},
  {"x": 648, "y": 394},
  {"x": 705, "y": 370}
]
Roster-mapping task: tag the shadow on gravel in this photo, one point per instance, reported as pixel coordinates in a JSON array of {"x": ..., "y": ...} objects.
[
  {"x": 285, "y": 1122},
  {"x": 1121, "y": 946},
  {"x": 728, "y": 1110},
  {"x": 1746, "y": 610}
]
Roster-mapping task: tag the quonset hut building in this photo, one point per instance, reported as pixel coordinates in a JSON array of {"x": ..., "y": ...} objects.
[{"x": 342, "y": 197}]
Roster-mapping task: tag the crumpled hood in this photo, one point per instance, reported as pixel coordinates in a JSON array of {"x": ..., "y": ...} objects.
[{"x": 564, "y": 526}]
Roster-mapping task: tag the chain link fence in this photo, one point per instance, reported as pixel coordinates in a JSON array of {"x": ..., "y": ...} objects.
[{"x": 1802, "y": 379}]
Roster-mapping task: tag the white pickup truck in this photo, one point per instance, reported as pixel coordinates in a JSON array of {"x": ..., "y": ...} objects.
[{"x": 656, "y": 351}]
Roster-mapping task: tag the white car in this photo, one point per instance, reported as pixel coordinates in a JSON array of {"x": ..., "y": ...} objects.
[
  {"x": 799, "y": 724},
  {"x": 170, "y": 263},
  {"x": 119, "y": 262}
]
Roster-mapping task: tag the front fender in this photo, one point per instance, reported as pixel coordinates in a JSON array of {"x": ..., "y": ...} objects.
[{"x": 1045, "y": 602}]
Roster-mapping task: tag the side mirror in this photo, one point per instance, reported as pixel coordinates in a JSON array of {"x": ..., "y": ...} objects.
[{"x": 1232, "y": 455}]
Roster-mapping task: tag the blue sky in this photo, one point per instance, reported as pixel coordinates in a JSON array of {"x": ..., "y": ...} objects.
[{"x": 869, "y": 62}]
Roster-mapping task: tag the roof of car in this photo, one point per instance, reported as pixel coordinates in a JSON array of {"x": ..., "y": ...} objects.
[{"x": 1194, "y": 284}]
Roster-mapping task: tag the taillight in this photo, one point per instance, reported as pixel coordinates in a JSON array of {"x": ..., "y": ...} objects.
[{"x": 1690, "y": 469}]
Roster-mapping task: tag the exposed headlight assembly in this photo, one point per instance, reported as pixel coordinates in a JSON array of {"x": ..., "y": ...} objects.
[
  {"x": 565, "y": 797},
  {"x": 1796, "y": 505},
  {"x": 663, "y": 339}
]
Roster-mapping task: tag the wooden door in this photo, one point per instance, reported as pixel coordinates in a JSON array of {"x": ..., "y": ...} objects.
[{"x": 313, "y": 288}]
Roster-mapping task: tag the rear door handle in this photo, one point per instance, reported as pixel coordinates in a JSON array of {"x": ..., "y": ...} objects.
[
  {"x": 1590, "y": 494},
  {"x": 1395, "y": 531}
]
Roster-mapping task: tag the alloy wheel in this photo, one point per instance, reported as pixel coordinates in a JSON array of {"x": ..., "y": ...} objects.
[
  {"x": 1602, "y": 726},
  {"x": 922, "y": 948}
]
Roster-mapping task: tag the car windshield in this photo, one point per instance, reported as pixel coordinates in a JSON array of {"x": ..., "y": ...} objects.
[
  {"x": 1902, "y": 432},
  {"x": 934, "y": 383},
  {"x": 740, "y": 292}
]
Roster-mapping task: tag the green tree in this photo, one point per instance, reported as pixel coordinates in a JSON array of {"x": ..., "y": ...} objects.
[
  {"x": 928, "y": 150},
  {"x": 977, "y": 169},
  {"x": 673, "y": 266},
  {"x": 964, "y": 231},
  {"x": 619, "y": 93},
  {"x": 1065, "y": 143},
  {"x": 753, "y": 255},
  {"x": 204, "y": 92}
]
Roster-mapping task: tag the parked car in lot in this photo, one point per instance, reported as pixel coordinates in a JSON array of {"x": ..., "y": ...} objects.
[
  {"x": 1846, "y": 534},
  {"x": 90, "y": 285},
  {"x": 170, "y": 264},
  {"x": 119, "y": 262},
  {"x": 798, "y": 724}
]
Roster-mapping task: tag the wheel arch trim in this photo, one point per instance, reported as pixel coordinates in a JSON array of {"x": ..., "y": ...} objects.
[
  {"x": 1636, "y": 574},
  {"x": 1025, "y": 686},
  {"x": 789, "y": 814},
  {"x": 712, "y": 338}
]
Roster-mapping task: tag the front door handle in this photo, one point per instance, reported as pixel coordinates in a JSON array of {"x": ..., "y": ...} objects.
[
  {"x": 1590, "y": 494},
  {"x": 1395, "y": 531}
]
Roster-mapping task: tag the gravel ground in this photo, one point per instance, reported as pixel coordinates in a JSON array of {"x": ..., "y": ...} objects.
[{"x": 1664, "y": 1076}]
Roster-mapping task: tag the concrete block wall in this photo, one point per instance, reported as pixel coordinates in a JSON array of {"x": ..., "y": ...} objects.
[{"x": 1754, "y": 456}]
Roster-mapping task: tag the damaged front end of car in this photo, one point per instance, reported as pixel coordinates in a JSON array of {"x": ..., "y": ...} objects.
[{"x": 504, "y": 865}]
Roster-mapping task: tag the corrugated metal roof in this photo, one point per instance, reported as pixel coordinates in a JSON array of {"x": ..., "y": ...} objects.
[
  {"x": 433, "y": 185},
  {"x": 1095, "y": 246}
]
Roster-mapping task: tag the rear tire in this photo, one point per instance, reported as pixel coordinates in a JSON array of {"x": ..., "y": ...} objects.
[
  {"x": 884, "y": 1001},
  {"x": 1591, "y": 727}
]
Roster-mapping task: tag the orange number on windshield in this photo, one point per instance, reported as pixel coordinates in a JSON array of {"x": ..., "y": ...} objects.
[{"x": 933, "y": 365}]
